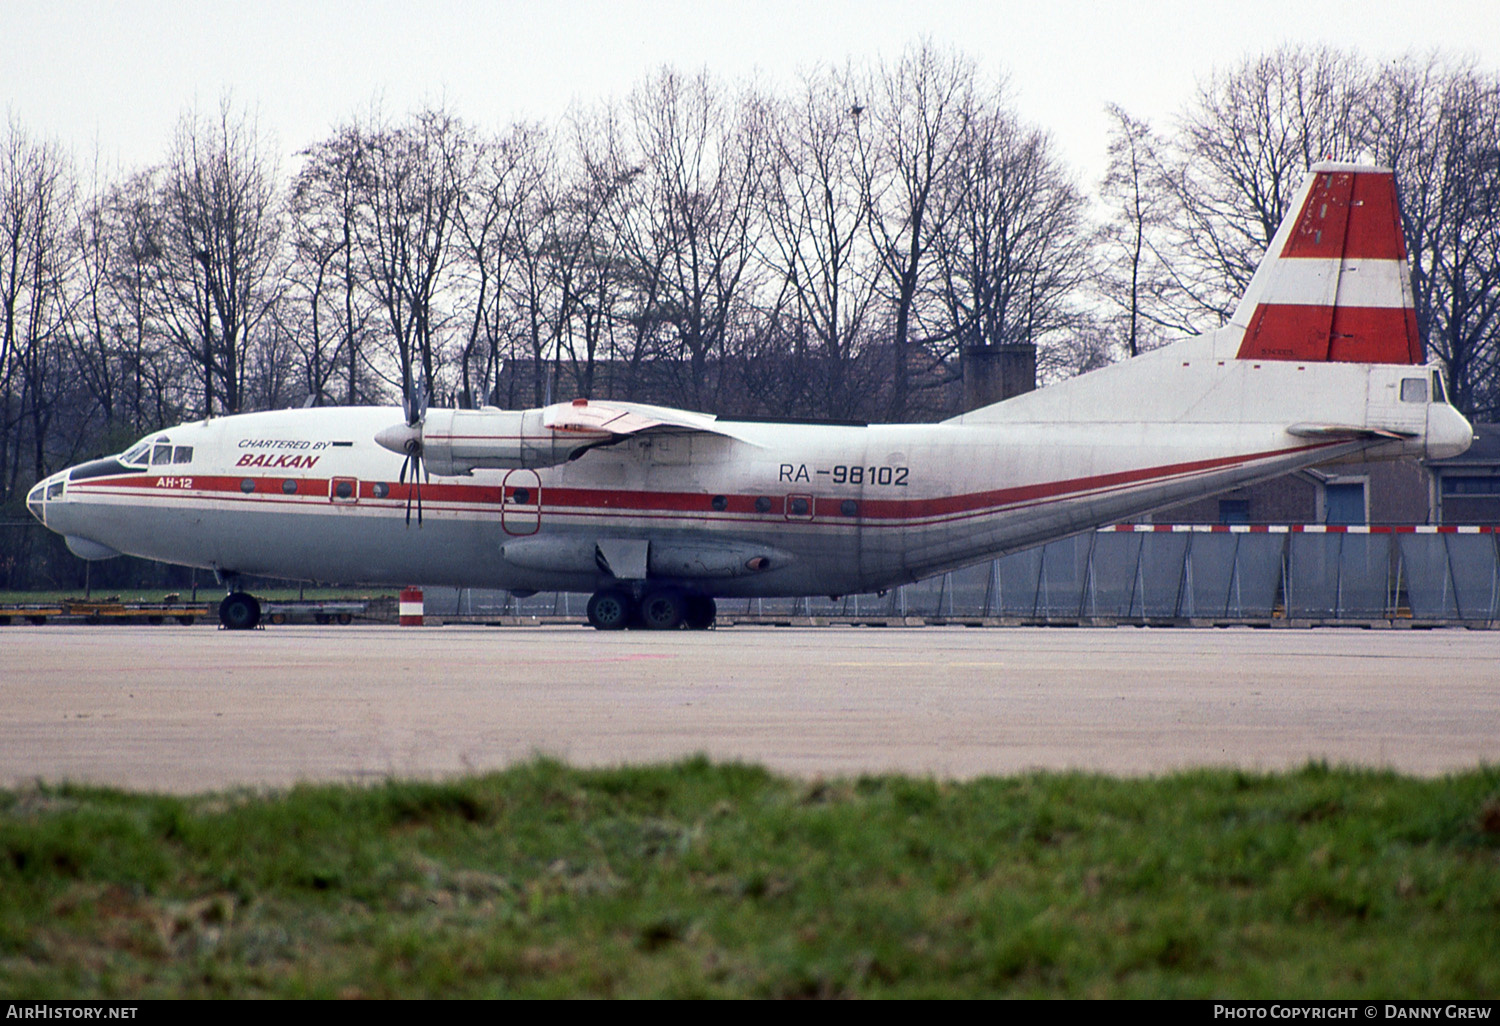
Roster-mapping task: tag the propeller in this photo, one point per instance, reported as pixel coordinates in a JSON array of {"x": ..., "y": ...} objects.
[{"x": 414, "y": 406}]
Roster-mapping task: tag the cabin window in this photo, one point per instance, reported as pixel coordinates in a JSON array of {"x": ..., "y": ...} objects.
[
  {"x": 289, "y": 486},
  {"x": 343, "y": 488},
  {"x": 849, "y": 508},
  {"x": 720, "y": 503},
  {"x": 798, "y": 506},
  {"x": 247, "y": 485},
  {"x": 762, "y": 504},
  {"x": 1413, "y": 390},
  {"x": 380, "y": 489}
]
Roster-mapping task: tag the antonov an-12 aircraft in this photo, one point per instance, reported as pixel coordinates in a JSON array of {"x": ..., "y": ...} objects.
[{"x": 658, "y": 511}]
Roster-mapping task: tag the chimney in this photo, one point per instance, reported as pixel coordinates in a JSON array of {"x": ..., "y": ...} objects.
[{"x": 995, "y": 373}]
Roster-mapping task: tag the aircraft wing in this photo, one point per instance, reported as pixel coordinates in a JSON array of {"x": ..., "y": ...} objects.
[{"x": 589, "y": 417}]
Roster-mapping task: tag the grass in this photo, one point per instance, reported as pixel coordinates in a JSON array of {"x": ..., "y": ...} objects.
[{"x": 698, "y": 879}]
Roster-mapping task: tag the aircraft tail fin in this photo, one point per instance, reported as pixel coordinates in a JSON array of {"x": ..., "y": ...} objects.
[{"x": 1334, "y": 284}]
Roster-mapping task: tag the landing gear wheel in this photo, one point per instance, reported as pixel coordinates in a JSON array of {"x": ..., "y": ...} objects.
[
  {"x": 610, "y": 610},
  {"x": 239, "y": 612},
  {"x": 663, "y": 610},
  {"x": 700, "y": 613}
]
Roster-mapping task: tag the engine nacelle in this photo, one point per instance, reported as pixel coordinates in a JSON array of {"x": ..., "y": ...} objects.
[{"x": 458, "y": 442}]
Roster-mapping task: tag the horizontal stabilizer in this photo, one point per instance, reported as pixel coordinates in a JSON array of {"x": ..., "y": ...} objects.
[{"x": 1334, "y": 432}]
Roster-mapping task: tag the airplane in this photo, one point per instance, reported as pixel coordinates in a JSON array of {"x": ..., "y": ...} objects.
[{"x": 657, "y": 512}]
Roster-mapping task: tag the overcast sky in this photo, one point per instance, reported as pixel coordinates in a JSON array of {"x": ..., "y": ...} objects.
[{"x": 120, "y": 74}]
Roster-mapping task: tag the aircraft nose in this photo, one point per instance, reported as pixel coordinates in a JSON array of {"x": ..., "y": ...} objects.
[
  {"x": 1449, "y": 432},
  {"x": 46, "y": 493},
  {"x": 35, "y": 504}
]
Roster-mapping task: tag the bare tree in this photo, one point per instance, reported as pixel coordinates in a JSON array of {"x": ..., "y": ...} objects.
[
  {"x": 415, "y": 180},
  {"x": 1015, "y": 253},
  {"x": 542, "y": 285},
  {"x": 818, "y": 212},
  {"x": 223, "y": 232},
  {"x": 1135, "y": 268},
  {"x": 130, "y": 218},
  {"x": 36, "y": 197},
  {"x": 688, "y": 180},
  {"x": 326, "y": 206},
  {"x": 911, "y": 132},
  {"x": 487, "y": 226},
  {"x": 1437, "y": 121},
  {"x": 1242, "y": 149}
]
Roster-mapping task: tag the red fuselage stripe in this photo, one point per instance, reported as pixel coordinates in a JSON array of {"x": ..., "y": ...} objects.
[{"x": 613, "y": 502}]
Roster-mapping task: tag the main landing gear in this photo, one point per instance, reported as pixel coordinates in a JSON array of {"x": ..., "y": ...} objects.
[{"x": 658, "y": 609}]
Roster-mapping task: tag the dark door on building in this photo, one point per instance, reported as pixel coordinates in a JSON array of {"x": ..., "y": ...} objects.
[{"x": 1345, "y": 503}]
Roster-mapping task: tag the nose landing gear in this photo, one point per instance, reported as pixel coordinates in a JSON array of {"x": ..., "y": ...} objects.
[{"x": 240, "y": 611}]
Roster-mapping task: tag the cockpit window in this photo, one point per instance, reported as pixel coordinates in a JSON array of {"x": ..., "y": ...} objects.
[
  {"x": 182, "y": 454},
  {"x": 1439, "y": 393},
  {"x": 137, "y": 456},
  {"x": 1413, "y": 390},
  {"x": 161, "y": 453}
]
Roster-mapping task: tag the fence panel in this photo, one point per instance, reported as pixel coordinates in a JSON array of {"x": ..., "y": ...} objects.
[
  {"x": 1208, "y": 575},
  {"x": 1471, "y": 562},
  {"x": 1367, "y": 569},
  {"x": 1112, "y": 581},
  {"x": 1312, "y": 575},
  {"x": 1424, "y": 568},
  {"x": 1064, "y": 576},
  {"x": 1158, "y": 585}
]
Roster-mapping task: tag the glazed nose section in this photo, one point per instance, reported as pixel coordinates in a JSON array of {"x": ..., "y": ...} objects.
[
  {"x": 44, "y": 493},
  {"x": 1449, "y": 432},
  {"x": 35, "y": 502}
]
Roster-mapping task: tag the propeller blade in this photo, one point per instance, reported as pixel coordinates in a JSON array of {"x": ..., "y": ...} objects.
[
  {"x": 419, "y": 472},
  {"x": 414, "y": 404}
]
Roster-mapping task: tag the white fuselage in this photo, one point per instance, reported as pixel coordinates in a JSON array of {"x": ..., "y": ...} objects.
[{"x": 754, "y": 508}]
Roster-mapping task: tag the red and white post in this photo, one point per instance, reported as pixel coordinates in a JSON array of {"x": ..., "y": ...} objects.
[{"x": 411, "y": 607}]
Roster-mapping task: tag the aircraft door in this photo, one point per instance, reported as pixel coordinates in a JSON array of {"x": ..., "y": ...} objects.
[{"x": 521, "y": 502}]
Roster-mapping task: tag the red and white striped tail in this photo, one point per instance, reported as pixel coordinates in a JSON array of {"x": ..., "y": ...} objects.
[{"x": 1334, "y": 284}]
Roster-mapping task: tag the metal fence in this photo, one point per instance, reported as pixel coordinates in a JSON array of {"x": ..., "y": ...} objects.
[{"x": 1156, "y": 574}]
